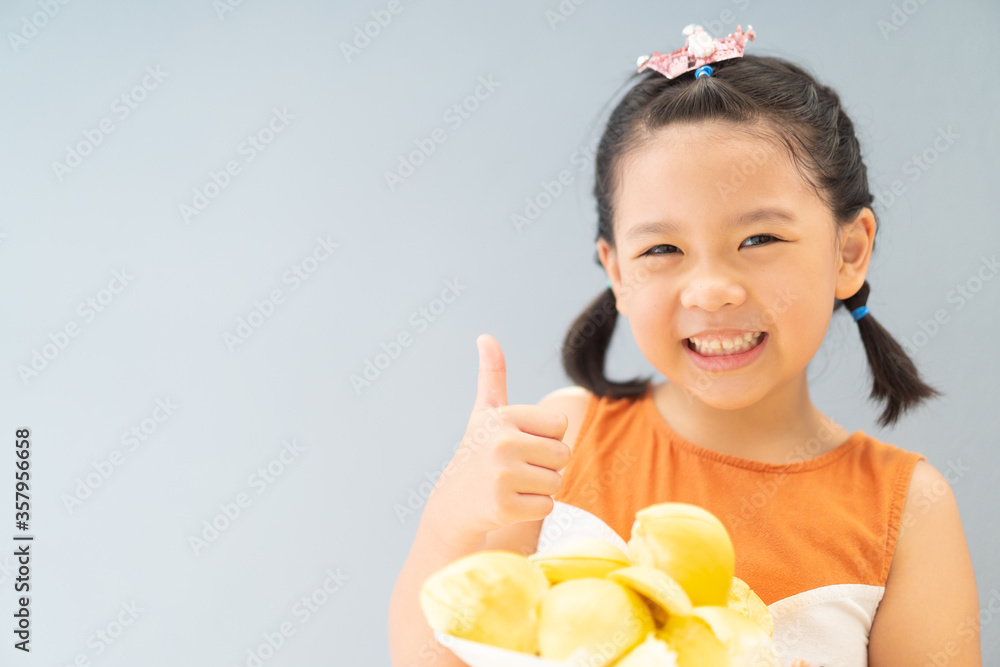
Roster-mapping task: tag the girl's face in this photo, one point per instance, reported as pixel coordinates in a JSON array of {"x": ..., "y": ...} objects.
[{"x": 717, "y": 233}]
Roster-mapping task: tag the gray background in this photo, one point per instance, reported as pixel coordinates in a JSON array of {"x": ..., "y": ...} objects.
[{"x": 364, "y": 453}]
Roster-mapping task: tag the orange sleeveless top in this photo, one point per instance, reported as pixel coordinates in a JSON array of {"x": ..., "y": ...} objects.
[{"x": 797, "y": 526}]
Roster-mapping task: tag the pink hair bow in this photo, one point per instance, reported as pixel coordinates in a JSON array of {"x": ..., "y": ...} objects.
[{"x": 699, "y": 49}]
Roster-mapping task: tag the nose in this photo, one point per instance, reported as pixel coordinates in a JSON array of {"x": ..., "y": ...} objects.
[{"x": 711, "y": 287}]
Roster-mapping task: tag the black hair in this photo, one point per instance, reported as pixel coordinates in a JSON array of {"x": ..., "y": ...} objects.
[{"x": 775, "y": 99}]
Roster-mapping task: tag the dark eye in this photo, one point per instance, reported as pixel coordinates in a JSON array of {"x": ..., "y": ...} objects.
[
  {"x": 762, "y": 236},
  {"x": 663, "y": 245},
  {"x": 756, "y": 236}
]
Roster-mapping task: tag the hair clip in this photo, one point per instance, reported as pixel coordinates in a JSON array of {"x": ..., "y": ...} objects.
[{"x": 699, "y": 49}]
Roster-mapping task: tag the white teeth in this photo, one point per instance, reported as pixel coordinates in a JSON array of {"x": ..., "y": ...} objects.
[{"x": 727, "y": 346}]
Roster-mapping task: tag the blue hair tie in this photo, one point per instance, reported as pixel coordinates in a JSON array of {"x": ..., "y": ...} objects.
[
  {"x": 858, "y": 313},
  {"x": 703, "y": 70}
]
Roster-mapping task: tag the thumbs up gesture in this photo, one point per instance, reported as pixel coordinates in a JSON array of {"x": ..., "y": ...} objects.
[{"x": 507, "y": 466}]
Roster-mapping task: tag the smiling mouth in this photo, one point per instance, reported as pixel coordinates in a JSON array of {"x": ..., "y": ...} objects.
[{"x": 739, "y": 346}]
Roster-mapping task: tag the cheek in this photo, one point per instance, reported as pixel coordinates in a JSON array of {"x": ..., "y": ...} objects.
[
  {"x": 804, "y": 322},
  {"x": 653, "y": 327},
  {"x": 649, "y": 304},
  {"x": 795, "y": 296}
]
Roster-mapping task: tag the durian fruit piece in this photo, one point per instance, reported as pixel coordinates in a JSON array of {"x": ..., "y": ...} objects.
[
  {"x": 747, "y": 644},
  {"x": 694, "y": 642},
  {"x": 748, "y": 603},
  {"x": 578, "y": 558},
  {"x": 595, "y": 621},
  {"x": 688, "y": 543},
  {"x": 666, "y": 595},
  {"x": 489, "y": 596},
  {"x": 652, "y": 652}
]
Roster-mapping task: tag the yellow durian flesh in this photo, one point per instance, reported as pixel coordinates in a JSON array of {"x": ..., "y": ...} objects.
[
  {"x": 579, "y": 558},
  {"x": 695, "y": 643},
  {"x": 745, "y": 641},
  {"x": 690, "y": 545},
  {"x": 491, "y": 597},
  {"x": 598, "y": 618},
  {"x": 667, "y": 595},
  {"x": 652, "y": 652},
  {"x": 745, "y": 601}
]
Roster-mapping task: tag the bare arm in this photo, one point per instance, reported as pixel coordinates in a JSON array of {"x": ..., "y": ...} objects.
[
  {"x": 930, "y": 611},
  {"x": 411, "y": 639},
  {"x": 494, "y": 494}
]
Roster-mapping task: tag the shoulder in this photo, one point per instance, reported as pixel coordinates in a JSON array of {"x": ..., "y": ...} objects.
[
  {"x": 572, "y": 394},
  {"x": 926, "y": 479},
  {"x": 573, "y": 402},
  {"x": 930, "y": 510}
]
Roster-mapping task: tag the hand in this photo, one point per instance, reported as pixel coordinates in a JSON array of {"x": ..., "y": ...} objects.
[
  {"x": 507, "y": 466},
  {"x": 801, "y": 663}
]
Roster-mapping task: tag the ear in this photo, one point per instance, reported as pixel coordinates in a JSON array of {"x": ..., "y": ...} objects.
[
  {"x": 609, "y": 260},
  {"x": 855, "y": 242}
]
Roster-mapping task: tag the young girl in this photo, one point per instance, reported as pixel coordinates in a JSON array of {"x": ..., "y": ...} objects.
[{"x": 734, "y": 220}]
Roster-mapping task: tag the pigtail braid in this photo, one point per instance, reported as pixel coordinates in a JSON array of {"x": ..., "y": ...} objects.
[{"x": 894, "y": 376}]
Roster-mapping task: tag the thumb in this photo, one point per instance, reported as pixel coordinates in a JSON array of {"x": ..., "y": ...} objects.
[{"x": 492, "y": 390}]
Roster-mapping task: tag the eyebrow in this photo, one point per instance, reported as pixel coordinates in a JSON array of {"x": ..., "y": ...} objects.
[{"x": 775, "y": 215}]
